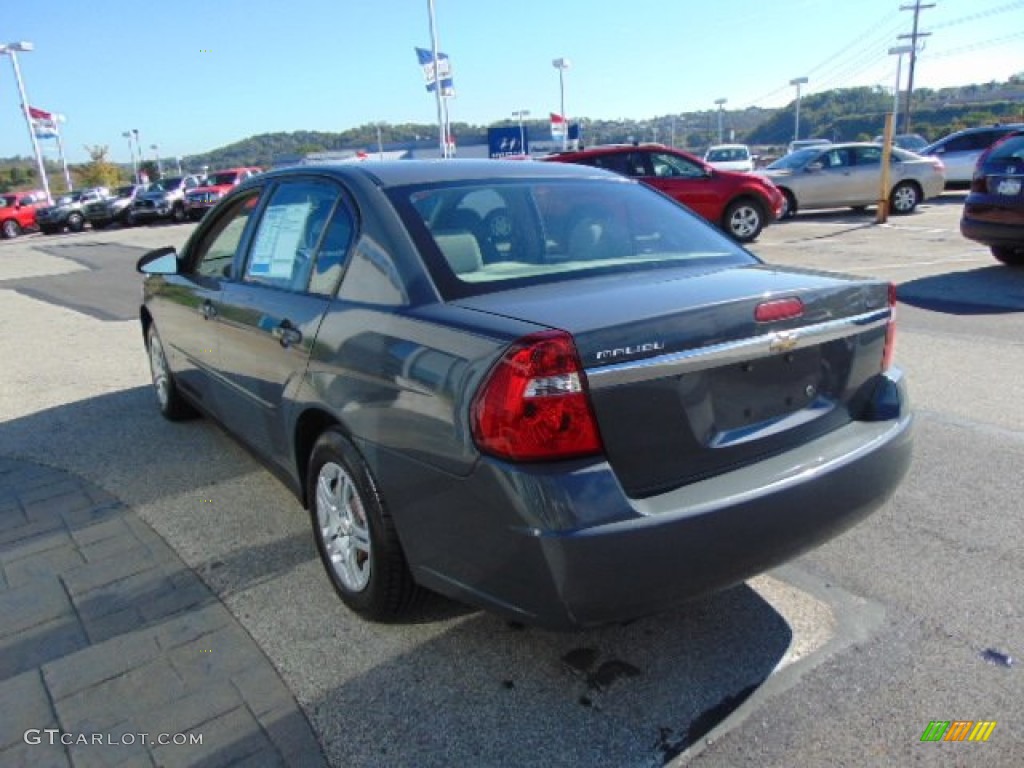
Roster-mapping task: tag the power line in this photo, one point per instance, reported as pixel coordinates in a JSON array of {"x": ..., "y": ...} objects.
[
  {"x": 978, "y": 15},
  {"x": 975, "y": 46}
]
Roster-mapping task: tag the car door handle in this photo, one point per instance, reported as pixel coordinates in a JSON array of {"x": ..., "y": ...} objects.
[
  {"x": 208, "y": 310},
  {"x": 287, "y": 334}
]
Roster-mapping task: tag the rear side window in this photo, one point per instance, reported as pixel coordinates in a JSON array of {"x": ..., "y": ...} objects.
[{"x": 551, "y": 230}]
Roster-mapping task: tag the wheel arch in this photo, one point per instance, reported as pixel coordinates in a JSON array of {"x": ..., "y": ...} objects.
[{"x": 311, "y": 423}]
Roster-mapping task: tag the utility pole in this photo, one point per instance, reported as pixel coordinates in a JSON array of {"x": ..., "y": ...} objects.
[{"x": 917, "y": 7}]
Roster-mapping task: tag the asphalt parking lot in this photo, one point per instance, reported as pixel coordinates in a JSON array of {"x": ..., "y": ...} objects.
[{"x": 842, "y": 657}]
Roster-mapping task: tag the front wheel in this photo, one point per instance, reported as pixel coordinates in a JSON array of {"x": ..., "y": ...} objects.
[
  {"x": 10, "y": 229},
  {"x": 354, "y": 533},
  {"x": 172, "y": 406},
  {"x": 904, "y": 198},
  {"x": 178, "y": 214},
  {"x": 744, "y": 220},
  {"x": 76, "y": 222},
  {"x": 1010, "y": 255}
]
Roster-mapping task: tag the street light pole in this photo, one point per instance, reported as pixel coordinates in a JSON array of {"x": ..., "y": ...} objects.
[
  {"x": 898, "y": 52},
  {"x": 10, "y": 49},
  {"x": 720, "y": 102},
  {"x": 519, "y": 114},
  {"x": 131, "y": 152},
  {"x": 797, "y": 81},
  {"x": 156, "y": 156},
  {"x": 138, "y": 148},
  {"x": 562, "y": 64}
]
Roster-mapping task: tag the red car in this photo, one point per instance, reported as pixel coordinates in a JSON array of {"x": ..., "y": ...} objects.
[
  {"x": 18, "y": 212},
  {"x": 740, "y": 203},
  {"x": 201, "y": 199}
]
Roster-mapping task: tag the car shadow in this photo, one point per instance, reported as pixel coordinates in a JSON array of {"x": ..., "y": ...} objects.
[
  {"x": 991, "y": 290},
  {"x": 454, "y": 686}
]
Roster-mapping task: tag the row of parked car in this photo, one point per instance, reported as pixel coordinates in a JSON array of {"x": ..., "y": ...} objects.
[{"x": 176, "y": 198}]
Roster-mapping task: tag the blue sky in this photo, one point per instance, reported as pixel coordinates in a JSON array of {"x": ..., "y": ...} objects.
[{"x": 194, "y": 75}]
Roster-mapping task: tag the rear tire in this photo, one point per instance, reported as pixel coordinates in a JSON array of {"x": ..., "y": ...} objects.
[
  {"x": 1010, "y": 255},
  {"x": 354, "y": 533},
  {"x": 904, "y": 198},
  {"x": 10, "y": 230},
  {"x": 178, "y": 214},
  {"x": 744, "y": 220},
  {"x": 789, "y": 207},
  {"x": 172, "y": 406}
]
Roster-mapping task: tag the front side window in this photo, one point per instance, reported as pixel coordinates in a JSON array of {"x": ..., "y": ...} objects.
[
  {"x": 216, "y": 250},
  {"x": 286, "y": 242}
]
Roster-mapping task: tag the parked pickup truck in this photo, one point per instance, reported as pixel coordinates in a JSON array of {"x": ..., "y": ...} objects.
[
  {"x": 117, "y": 207},
  {"x": 201, "y": 199},
  {"x": 68, "y": 212},
  {"x": 18, "y": 212},
  {"x": 165, "y": 199}
]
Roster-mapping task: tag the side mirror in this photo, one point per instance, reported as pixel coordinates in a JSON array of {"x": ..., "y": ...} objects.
[{"x": 162, "y": 261}]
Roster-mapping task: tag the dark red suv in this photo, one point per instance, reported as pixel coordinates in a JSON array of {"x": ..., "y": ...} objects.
[{"x": 740, "y": 203}]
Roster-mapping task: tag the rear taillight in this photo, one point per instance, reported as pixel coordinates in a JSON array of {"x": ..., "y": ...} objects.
[
  {"x": 890, "y": 330},
  {"x": 533, "y": 405}
]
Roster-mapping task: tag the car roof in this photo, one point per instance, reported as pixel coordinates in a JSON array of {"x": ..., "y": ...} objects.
[
  {"x": 393, "y": 173},
  {"x": 728, "y": 146}
]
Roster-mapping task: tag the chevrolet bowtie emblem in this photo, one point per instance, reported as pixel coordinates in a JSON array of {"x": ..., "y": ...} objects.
[{"x": 782, "y": 342}]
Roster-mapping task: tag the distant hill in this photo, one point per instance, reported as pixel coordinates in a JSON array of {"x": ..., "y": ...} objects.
[{"x": 842, "y": 114}]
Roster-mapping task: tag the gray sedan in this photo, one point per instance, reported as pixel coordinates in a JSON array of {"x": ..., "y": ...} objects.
[
  {"x": 841, "y": 175},
  {"x": 539, "y": 388}
]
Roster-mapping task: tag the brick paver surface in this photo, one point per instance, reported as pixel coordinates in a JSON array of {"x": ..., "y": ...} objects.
[{"x": 113, "y": 652}]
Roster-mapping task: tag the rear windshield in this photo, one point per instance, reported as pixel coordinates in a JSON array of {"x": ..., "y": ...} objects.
[
  {"x": 486, "y": 236},
  {"x": 222, "y": 179},
  {"x": 1011, "y": 148}
]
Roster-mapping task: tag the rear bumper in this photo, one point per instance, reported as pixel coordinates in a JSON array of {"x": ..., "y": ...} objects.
[
  {"x": 990, "y": 225},
  {"x": 567, "y": 549}
]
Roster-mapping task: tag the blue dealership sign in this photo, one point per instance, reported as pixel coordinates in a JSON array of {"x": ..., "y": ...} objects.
[{"x": 508, "y": 140}]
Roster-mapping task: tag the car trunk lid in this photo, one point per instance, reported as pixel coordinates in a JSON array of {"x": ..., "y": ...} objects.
[{"x": 686, "y": 382}]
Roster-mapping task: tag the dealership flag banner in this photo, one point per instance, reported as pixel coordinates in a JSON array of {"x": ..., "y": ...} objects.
[
  {"x": 558, "y": 127},
  {"x": 44, "y": 124},
  {"x": 444, "y": 71}
]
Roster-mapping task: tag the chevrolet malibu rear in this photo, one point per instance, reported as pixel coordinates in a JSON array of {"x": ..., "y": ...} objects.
[{"x": 548, "y": 391}]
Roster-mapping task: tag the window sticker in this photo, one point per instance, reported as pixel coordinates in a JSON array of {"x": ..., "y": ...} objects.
[{"x": 277, "y": 241}]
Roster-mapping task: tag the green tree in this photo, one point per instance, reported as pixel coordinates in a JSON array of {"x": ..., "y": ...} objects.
[{"x": 99, "y": 171}]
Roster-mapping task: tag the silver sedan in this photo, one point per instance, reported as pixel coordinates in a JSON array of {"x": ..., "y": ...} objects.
[{"x": 840, "y": 175}]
